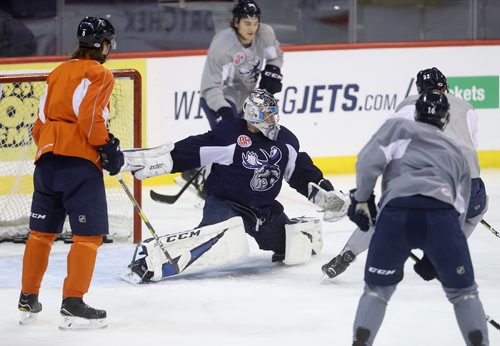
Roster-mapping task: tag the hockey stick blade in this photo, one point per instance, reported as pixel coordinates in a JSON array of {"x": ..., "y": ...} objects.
[
  {"x": 493, "y": 322},
  {"x": 491, "y": 229},
  {"x": 171, "y": 199},
  {"x": 168, "y": 199}
]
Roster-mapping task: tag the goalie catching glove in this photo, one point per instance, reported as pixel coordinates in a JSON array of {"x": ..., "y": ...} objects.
[
  {"x": 363, "y": 214},
  {"x": 148, "y": 162},
  {"x": 333, "y": 202}
]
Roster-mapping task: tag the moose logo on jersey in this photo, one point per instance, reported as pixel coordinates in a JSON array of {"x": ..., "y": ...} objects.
[{"x": 266, "y": 172}]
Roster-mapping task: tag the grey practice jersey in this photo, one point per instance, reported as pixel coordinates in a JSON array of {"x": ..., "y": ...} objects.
[
  {"x": 231, "y": 70},
  {"x": 462, "y": 127},
  {"x": 414, "y": 158}
]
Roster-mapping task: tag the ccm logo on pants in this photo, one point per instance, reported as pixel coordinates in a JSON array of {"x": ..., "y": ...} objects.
[{"x": 381, "y": 271}]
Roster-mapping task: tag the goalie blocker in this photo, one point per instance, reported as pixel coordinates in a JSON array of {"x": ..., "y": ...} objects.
[{"x": 216, "y": 245}]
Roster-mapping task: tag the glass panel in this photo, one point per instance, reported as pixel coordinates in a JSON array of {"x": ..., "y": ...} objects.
[
  {"x": 413, "y": 20},
  {"x": 488, "y": 19},
  {"x": 33, "y": 27},
  {"x": 27, "y": 28},
  {"x": 147, "y": 25}
]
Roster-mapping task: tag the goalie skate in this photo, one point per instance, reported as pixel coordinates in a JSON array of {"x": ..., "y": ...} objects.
[
  {"x": 130, "y": 277},
  {"x": 137, "y": 272}
]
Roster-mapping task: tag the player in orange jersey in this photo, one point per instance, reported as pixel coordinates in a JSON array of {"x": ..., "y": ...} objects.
[{"x": 73, "y": 147}]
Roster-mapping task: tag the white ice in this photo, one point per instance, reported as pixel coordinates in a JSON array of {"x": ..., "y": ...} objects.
[{"x": 251, "y": 302}]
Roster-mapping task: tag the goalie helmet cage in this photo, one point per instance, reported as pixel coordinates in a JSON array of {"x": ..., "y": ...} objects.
[{"x": 19, "y": 99}]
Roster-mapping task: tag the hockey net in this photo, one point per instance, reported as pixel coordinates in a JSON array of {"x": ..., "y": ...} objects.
[{"x": 19, "y": 99}]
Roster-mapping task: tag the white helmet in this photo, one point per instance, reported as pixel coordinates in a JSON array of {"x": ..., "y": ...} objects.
[{"x": 261, "y": 110}]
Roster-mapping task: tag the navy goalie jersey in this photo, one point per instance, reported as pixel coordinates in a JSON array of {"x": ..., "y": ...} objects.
[{"x": 248, "y": 168}]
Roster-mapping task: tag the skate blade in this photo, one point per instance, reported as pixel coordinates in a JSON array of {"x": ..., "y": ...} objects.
[
  {"x": 130, "y": 277},
  {"x": 78, "y": 323},
  {"x": 27, "y": 317}
]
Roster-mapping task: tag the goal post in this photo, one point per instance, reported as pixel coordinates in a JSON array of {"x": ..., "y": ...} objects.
[{"x": 19, "y": 98}]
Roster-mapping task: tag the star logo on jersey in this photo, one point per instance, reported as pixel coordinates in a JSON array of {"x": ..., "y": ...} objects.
[
  {"x": 244, "y": 141},
  {"x": 238, "y": 58},
  {"x": 82, "y": 219}
]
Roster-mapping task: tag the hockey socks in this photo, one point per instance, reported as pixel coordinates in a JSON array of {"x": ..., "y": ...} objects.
[
  {"x": 81, "y": 262},
  {"x": 35, "y": 260}
]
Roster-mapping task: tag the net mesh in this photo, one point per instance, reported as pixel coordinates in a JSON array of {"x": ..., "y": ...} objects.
[{"x": 19, "y": 101}]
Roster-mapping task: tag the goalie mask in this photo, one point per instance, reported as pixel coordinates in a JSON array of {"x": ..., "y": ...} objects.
[
  {"x": 261, "y": 110},
  {"x": 92, "y": 32},
  {"x": 431, "y": 79},
  {"x": 432, "y": 108}
]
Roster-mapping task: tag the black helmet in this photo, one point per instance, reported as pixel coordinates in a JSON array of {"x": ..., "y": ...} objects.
[
  {"x": 245, "y": 9},
  {"x": 93, "y": 31},
  {"x": 432, "y": 108},
  {"x": 431, "y": 79}
]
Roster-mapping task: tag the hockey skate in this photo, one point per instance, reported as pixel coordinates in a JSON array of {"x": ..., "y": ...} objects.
[
  {"x": 137, "y": 272},
  {"x": 197, "y": 186},
  {"x": 338, "y": 264},
  {"x": 29, "y": 307},
  {"x": 76, "y": 315}
]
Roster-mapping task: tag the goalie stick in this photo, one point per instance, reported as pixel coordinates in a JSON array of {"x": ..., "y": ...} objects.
[
  {"x": 488, "y": 318},
  {"x": 139, "y": 211},
  {"x": 171, "y": 199}
]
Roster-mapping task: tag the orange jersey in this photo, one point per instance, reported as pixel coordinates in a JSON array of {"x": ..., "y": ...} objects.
[{"x": 73, "y": 113}]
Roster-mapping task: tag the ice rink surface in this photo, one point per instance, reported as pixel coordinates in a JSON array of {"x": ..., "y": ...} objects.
[{"x": 250, "y": 302}]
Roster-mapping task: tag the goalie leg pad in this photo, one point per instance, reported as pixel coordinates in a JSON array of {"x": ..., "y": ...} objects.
[
  {"x": 304, "y": 237},
  {"x": 202, "y": 247}
]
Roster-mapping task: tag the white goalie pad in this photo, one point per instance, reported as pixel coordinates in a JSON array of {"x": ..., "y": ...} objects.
[
  {"x": 334, "y": 203},
  {"x": 304, "y": 237},
  {"x": 198, "y": 248},
  {"x": 148, "y": 162}
]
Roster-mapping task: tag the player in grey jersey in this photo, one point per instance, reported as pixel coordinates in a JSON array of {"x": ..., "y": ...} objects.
[
  {"x": 425, "y": 193},
  {"x": 462, "y": 128},
  {"x": 237, "y": 56}
]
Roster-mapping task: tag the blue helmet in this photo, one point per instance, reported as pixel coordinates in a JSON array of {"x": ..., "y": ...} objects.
[
  {"x": 432, "y": 107},
  {"x": 92, "y": 32},
  {"x": 431, "y": 79}
]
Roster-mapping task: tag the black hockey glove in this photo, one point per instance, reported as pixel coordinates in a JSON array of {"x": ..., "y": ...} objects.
[
  {"x": 111, "y": 156},
  {"x": 425, "y": 269},
  {"x": 270, "y": 79},
  {"x": 363, "y": 214},
  {"x": 225, "y": 113}
]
